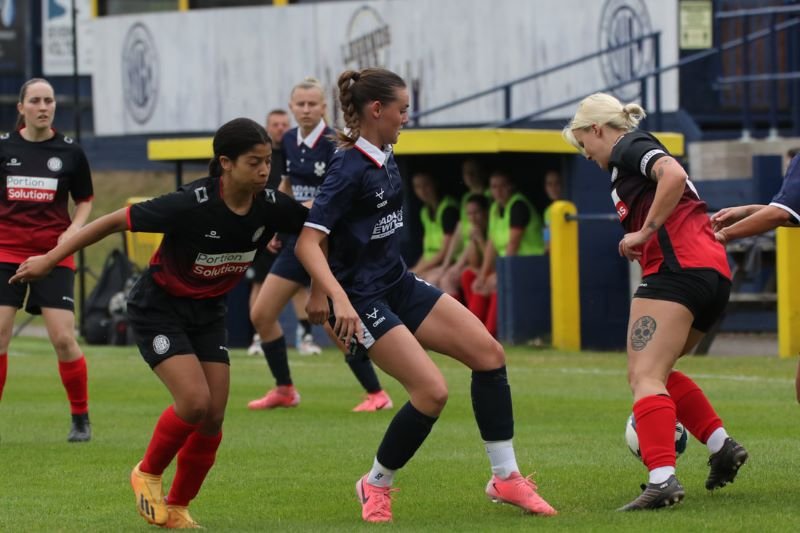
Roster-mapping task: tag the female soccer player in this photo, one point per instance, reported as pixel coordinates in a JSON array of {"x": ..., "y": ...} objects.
[
  {"x": 357, "y": 217},
  {"x": 747, "y": 220},
  {"x": 685, "y": 287},
  {"x": 212, "y": 229},
  {"x": 39, "y": 170},
  {"x": 308, "y": 150}
]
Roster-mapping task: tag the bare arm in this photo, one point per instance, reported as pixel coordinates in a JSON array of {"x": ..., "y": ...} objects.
[
  {"x": 38, "y": 266},
  {"x": 514, "y": 240},
  {"x": 79, "y": 218},
  {"x": 309, "y": 250},
  {"x": 767, "y": 218},
  {"x": 285, "y": 186}
]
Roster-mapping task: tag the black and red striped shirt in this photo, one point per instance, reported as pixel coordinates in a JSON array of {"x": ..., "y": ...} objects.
[
  {"x": 207, "y": 248},
  {"x": 685, "y": 240}
]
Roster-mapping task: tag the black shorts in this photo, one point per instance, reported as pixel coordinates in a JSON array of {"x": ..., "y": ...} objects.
[
  {"x": 704, "y": 292},
  {"x": 165, "y": 325},
  {"x": 56, "y": 290},
  {"x": 261, "y": 266}
]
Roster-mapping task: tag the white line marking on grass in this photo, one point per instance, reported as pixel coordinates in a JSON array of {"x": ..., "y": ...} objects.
[{"x": 606, "y": 372}]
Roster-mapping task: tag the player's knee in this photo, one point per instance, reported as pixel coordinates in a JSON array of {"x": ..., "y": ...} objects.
[
  {"x": 194, "y": 408},
  {"x": 64, "y": 342}
]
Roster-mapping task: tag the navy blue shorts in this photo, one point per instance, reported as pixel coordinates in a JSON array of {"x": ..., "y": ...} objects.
[
  {"x": 408, "y": 302},
  {"x": 56, "y": 290},
  {"x": 704, "y": 292},
  {"x": 287, "y": 265},
  {"x": 165, "y": 325}
]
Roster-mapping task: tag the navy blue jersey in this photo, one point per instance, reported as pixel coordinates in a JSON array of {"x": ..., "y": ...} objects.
[
  {"x": 207, "y": 248},
  {"x": 360, "y": 207},
  {"x": 788, "y": 198},
  {"x": 307, "y": 160}
]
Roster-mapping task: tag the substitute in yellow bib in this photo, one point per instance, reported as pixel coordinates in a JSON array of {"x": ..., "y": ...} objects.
[{"x": 439, "y": 216}]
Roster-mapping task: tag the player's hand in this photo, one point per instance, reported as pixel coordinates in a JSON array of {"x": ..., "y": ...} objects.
[
  {"x": 348, "y": 323},
  {"x": 31, "y": 269},
  {"x": 631, "y": 244},
  {"x": 317, "y": 307},
  {"x": 274, "y": 245},
  {"x": 727, "y": 216}
]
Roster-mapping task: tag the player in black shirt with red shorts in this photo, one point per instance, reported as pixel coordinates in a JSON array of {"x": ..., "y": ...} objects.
[
  {"x": 212, "y": 229},
  {"x": 40, "y": 169},
  {"x": 685, "y": 287}
]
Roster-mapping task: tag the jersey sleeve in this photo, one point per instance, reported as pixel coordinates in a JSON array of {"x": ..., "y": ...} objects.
[
  {"x": 450, "y": 219},
  {"x": 638, "y": 152},
  {"x": 287, "y": 215},
  {"x": 520, "y": 215},
  {"x": 80, "y": 187},
  {"x": 163, "y": 213},
  {"x": 334, "y": 199},
  {"x": 788, "y": 198}
]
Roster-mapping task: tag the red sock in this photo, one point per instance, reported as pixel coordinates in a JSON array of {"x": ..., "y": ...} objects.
[
  {"x": 194, "y": 461},
  {"x": 74, "y": 378},
  {"x": 467, "y": 277},
  {"x": 491, "y": 315},
  {"x": 693, "y": 408},
  {"x": 3, "y": 372},
  {"x": 655, "y": 426},
  {"x": 169, "y": 436}
]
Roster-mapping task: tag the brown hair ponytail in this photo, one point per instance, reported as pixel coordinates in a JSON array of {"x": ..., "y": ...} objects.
[{"x": 357, "y": 89}]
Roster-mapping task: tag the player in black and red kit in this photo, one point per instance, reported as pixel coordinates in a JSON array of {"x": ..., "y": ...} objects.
[
  {"x": 212, "y": 229},
  {"x": 685, "y": 287},
  {"x": 358, "y": 217},
  {"x": 39, "y": 170}
]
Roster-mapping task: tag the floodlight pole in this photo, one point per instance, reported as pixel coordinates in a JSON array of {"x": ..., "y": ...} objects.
[{"x": 76, "y": 116}]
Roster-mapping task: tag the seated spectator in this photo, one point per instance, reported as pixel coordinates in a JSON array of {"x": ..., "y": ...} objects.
[
  {"x": 515, "y": 229},
  {"x": 471, "y": 257},
  {"x": 552, "y": 188},
  {"x": 439, "y": 217}
]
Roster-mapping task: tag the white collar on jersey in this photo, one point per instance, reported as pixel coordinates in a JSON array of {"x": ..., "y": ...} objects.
[
  {"x": 313, "y": 137},
  {"x": 374, "y": 153}
]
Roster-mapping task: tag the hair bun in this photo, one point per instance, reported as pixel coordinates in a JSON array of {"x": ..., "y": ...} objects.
[{"x": 356, "y": 75}]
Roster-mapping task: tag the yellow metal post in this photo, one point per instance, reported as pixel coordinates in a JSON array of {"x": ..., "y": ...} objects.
[
  {"x": 565, "y": 306},
  {"x": 280, "y": 2},
  {"x": 183, "y": 5},
  {"x": 787, "y": 257}
]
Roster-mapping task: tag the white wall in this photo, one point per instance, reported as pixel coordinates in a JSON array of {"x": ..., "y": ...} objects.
[{"x": 192, "y": 71}]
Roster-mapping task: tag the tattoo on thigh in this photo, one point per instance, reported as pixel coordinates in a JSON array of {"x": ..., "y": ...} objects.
[{"x": 641, "y": 332}]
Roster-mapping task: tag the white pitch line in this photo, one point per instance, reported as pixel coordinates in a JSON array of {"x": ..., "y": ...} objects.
[{"x": 722, "y": 377}]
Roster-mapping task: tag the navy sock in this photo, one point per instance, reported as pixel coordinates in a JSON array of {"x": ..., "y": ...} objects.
[
  {"x": 306, "y": 325},
  {"x": 404, "y": 436},
  {"x": 364, "y": 372},
  {"x": 491, "y": 403},
  {"x": 278, "y": 360}
]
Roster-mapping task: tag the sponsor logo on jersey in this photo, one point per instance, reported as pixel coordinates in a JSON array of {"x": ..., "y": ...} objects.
[
  {"x": 619, "y": 205},
  {"x": 160, "y": 344},
  {"x": 379, "y": 196},
  {"x": 68, "y": 140},
  {"x": 215, "y": 265},
  {"x": 270, "y": 196},
  {"x": 31, "y": 189},
  {"x": 258, "y": 233},
  {"x": 5, "y": 136},
  {"x": 13, "y": 162},
  {"x": 55, "y": 164},
  {"x": 387, "y": 225},
  {"x": 213, "y": 234},
  {"x": 319, "y": 168},
  {"x": 304, "y": 192}
]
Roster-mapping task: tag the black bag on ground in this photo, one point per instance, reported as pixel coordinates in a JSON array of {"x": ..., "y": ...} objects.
[{"x": 99, "y": 327}]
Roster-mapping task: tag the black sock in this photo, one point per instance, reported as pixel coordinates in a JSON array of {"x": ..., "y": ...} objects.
[
  {"x": 278, "y": 360},
  {"x": 365, "y": 373},
  {"x": 404, "y": 436},
  {"x": 306, "y": 325},
  {"x": 491, "y": 403}
]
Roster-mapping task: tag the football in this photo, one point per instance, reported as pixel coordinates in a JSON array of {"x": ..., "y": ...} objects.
[{"x": 632, "y": 439}]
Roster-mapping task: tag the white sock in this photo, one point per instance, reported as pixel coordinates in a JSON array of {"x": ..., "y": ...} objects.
[
  {"x": 502, "y": 457},
  {"x": 661, "y": 474},
  {"x": 380, "y": 476},
  {"x": 717, "y": 440}
]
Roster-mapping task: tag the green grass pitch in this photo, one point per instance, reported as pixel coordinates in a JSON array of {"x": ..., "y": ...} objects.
[{"x": 294, "y": 470}]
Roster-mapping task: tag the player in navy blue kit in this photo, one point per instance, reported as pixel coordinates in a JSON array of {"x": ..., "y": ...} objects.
[
  {"x": 40, "y": 169},
  {"x": 212, "y": 229},
  {"x": 308, "y": 150},
  {"x": 747, "y": 220},
  {"x": 685, "y": 287},
  {"x": 357, "y": 217}
]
